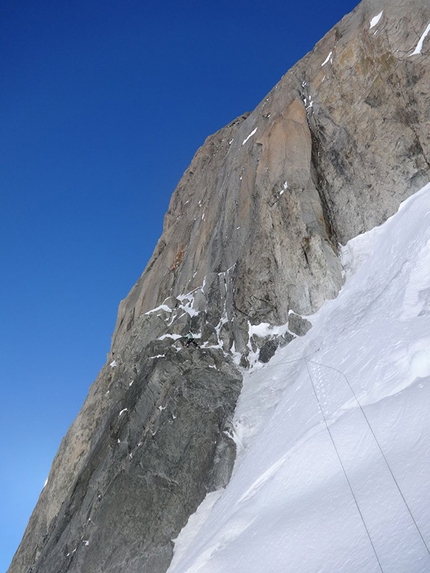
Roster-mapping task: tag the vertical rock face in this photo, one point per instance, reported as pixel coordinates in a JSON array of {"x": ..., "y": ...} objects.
[
  {"x": 332, "y": 150},
  {"x": 159, "y": 441},
  {"x": 249, "y": 247}
]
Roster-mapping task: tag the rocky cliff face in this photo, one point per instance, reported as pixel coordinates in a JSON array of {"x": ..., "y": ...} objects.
[{"x": 249, "y": 248}]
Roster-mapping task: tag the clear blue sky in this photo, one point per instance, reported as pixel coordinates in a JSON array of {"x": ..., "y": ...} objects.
[{"x": 102, "y": 106}]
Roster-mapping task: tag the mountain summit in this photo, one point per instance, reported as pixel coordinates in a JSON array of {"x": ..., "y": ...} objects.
[{"x": 250, "y": 248}]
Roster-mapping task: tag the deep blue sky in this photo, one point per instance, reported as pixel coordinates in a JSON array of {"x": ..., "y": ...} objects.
[{"x": 102, "y": 106}]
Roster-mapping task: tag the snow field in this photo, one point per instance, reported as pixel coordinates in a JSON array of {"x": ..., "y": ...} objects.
[{"x": 333, "y": 435}]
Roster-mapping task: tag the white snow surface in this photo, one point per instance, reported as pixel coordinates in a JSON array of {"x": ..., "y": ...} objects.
[
  {"x": 250, "y": 135},
  {"x": 333, "y": 434},
  {"x": 161, "y": 307},
  {"x": 374, "y": 21},
  {"x": 421, "y": 41},
  {"x": 328, "y": 59}
]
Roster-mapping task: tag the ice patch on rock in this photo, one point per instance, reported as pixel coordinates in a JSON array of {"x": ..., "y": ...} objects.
[
  {"x": 374, "y": 21},
  {"x": 419, "y": 46}
]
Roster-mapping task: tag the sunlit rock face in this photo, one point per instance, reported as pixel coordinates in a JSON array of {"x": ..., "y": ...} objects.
[
  {"x": 249, "y": 249},
  {"x": 328, "y": 154}
]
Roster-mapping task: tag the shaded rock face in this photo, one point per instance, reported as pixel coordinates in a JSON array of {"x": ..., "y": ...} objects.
[
  {"x": 249, "y": 248},
  {"x": 159, "y": 442}
]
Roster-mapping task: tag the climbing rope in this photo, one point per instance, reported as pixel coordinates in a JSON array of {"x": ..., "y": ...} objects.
[
  {"x": 377, "y": 443},
  {"x": 306, "y": 359},
  {"x": 342, "y": 465}
]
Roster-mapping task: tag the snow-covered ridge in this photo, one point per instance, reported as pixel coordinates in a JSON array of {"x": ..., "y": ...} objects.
[{"x": 333, "y": 434}]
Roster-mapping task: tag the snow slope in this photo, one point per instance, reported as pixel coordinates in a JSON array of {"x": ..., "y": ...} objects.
[{"x": 333, "y": 434}]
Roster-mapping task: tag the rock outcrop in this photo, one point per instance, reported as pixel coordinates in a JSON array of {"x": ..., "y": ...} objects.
[
  {"x": 152, "y": 439},
  {"x": 249, "y": 249},
  {"x": 332, "y": 150}
]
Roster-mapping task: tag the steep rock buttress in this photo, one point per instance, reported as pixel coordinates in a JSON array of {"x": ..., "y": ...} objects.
[{"x": 248, "y": 250}]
